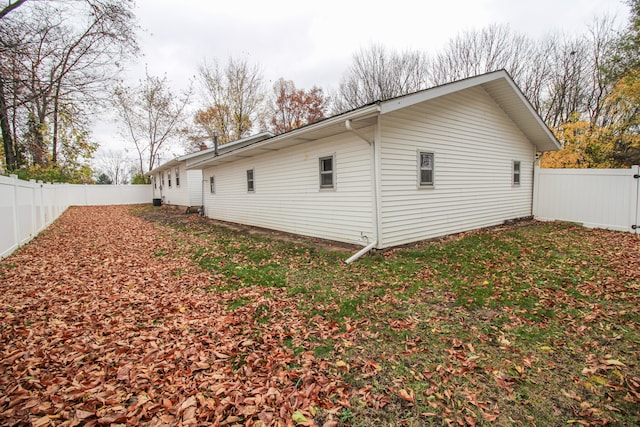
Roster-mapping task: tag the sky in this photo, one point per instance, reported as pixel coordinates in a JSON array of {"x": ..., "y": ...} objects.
[{"x": 312, "y": 43}]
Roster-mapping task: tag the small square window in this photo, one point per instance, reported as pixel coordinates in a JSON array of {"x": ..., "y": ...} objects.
[
  {"x": 516, "y": 173},
  {"x": 177, "y": 177},
  {"x": 250, "y": 181},
  {"x": 212, "y": 184},
  {"x": 327, "y": 172},
  {"x": 425, "y": 168}
]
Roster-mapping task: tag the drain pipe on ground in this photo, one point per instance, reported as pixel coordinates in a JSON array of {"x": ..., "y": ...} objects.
[{"x": 372, "y": 245}]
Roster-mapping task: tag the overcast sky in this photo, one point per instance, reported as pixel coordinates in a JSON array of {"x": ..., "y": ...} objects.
[{"x": 312, "y": 42}]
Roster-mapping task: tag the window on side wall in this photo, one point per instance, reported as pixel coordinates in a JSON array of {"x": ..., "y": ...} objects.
[
  {"x": 212, "y": 184},
  {"x": 177, "y": 177},
  {"x": 250, "y": 181},
  {"x": 425, "y": 169},
  {"x": 169, "y": 179},
  {"x": 162, "y": 183},
  {"x": 516, "y": 173},
  {"x": 327, "y": 172}
]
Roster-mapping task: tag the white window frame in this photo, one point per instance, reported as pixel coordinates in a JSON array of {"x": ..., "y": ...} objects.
[
  {"x": 212, "y": 184},
  {"x": 162, "y": 182},
  {"x": 422, "y": 184},
  {"x": 516, "y": 177},
  {"x": 251, "y": 188},
  {"x": 177, "y": 177},
  {"x": 169, "y": 178},
  {"x": 332, "y": 172}
]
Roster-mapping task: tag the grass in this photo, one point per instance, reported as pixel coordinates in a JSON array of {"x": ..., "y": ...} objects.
[{"x": 526, "y": 325}]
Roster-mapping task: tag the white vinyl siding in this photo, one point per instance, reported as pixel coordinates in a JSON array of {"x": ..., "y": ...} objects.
[
  {"x": 474, "y": 144},
  {"x": 287, "y": 197},
  {"x": 188, "y": 193}
]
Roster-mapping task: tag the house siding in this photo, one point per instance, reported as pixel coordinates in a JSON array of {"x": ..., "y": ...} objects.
[
  {"x": 193, "y": 185},
  {"x": 474, "y": 144},
  {"x": 189, "y": 193},
  {"x": 287, "y": 194}
]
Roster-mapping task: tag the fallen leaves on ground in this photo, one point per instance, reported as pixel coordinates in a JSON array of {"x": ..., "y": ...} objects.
[
  {"x": 108, "y": 319},
  {"x": 105, "y": 321}
]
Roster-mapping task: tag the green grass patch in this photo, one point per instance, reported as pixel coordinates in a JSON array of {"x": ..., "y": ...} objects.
[{"x": 505, "y": 327}]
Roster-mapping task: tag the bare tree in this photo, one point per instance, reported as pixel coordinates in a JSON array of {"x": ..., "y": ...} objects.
[
  {"x": 11, "y": 6},
  {"x": 476, "y": 52},
  {"x": 53, "y": 66},
  {"x": 377, "y": 74},
  {"x": 115, "y": 164},
  {"x": 234, "y": 98},
  {"x": 151, "y": 116}
]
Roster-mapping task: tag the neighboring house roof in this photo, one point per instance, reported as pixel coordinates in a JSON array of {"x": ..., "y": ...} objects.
[
  {"x": 222, "y": 148},
  {"x": 498, "y": 84}
]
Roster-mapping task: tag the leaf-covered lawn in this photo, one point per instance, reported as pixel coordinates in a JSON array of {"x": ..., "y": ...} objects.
[{"x": 111, "y": 318}]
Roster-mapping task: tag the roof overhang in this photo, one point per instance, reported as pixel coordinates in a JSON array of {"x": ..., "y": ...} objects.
[
  {"x": 498, "y": 85},
  {"x": 361, "y": 118},
  {"x": 167, "y": 165},
  {"x": 501, "y": 87},
  {"x": 194, "y": 157}
]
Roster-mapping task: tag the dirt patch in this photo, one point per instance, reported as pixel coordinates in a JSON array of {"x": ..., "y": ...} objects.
[{"x": 174, "y": 215}]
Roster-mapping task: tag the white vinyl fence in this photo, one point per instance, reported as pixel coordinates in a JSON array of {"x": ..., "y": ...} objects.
[
  {"x": 597, "y": 198},
  {"x": 28, "y": 207}
]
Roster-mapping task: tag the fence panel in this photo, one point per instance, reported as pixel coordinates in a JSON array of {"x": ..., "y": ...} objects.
[
  {"x": 28, "y": 207},
  {"x": 598, "y": 198},
  {"x": 8, "y": 216}
]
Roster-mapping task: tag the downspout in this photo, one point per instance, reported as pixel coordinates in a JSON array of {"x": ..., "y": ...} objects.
[{"x": 376, "y": 224}]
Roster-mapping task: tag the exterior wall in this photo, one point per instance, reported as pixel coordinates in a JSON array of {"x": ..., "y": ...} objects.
[
  {"x": 193, "y": 182},
  {"x": 188, "y": 193},
  {"x": 474, "y": 145},
  {"x": 287, "y": 196},
  {"x": 599, "y": 198}
]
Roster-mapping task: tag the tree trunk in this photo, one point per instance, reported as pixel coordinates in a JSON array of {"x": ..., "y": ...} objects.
[{"x": 7, "y": 138}]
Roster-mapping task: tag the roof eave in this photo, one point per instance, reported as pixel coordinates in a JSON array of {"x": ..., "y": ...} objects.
[{"x": 360, "y": 113}]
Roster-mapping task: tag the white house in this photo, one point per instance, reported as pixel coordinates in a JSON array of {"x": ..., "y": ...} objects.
[
  {"x": 174, "y": 183},
  {"x": 448, "y": 159}
]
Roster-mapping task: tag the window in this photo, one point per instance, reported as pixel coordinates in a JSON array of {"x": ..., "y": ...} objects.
[
  {"x": 425, "y": 168},
  {"x": 155, "y": 182},
  {"x": 177, "y": 177},
  {"x": 327, "y": 172},
  {"x": 250, "y": 180},
  {"x": 169, "y": 178},
  {"x": 516, "y": 173},
  {"x": 162, "y": 183},
  {"x": 212, "y": 184}
]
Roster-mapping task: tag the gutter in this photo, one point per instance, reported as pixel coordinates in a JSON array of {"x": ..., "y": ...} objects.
[
  {"x": 363, "y": 112},
  {"x": 376, "y": 221}
]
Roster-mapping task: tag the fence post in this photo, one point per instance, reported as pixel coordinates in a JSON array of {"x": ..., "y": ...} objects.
[
  {"x": 34, "y": 225},
  {"x": 635, "y": 172},
  {"x": 16, "y": 225},
  {"x": 536, "y": 188}
]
